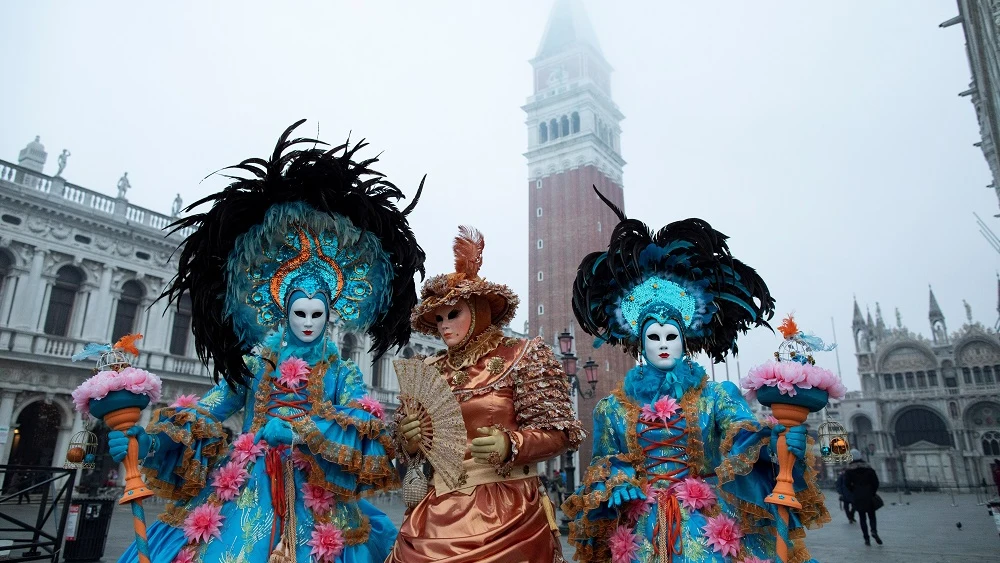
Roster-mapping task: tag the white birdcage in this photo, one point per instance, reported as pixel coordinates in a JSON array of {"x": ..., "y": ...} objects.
[
  {"x": 82, "y": 451},
  {"x": 833, "y": 443}
]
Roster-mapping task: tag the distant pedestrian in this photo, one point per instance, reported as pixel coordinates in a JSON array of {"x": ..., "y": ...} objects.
[
  {"x": 845, "y": 496},
  {"x": 22, "y": 480},
  {"x": 862, "y": 482}
]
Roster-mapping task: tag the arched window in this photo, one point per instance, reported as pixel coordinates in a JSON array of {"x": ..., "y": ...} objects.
[
  {"x": 61, "y": 301},
  {"x": 919, "y": 424},
  {"x": 977, "y": 375},
  {"x": 988, "y": 374},
  {"x": 991, "y": 443},
  {"x": 565, "y": 125},
  {"x": 541, "y": 276},
  {"x": 538, "y": 212},
  {"x": 539, "y": 244},
  {"x": 575, "y": 122},
  {"x": 377, "y": 374},
  {"x": 953, "y": 409},
  {"x": 181, "y": 329},
  {"x": 349, "y": 348},
  {"x": 863, "y": 435},
  {"x": 543, "y": 132},
  {"x": 554, "y": 129},
  {"x": 541, "y": 309},
  {"x": 967, "y": 376},
  {"x": 127, "y": 310},
  {"x": 407, "y": 352}
]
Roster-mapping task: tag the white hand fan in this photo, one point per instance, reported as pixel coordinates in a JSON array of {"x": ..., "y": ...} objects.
[{"x": 422, "y": 389}]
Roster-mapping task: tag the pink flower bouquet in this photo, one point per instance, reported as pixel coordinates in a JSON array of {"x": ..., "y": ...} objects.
[
  {"x": 133, "y": 380},
  {"x": 790, "y": 377}
]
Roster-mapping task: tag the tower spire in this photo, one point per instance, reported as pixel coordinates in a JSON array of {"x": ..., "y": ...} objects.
[
  {"x": 568, "y": 26},
  {"x": 939, "y": 329},
  {"x": 859, "y": 320}
]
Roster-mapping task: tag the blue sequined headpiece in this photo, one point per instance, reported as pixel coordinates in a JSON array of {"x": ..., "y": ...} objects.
[
  {"x": 297, "y": 248},
  {"x": 662, "y": 298}
]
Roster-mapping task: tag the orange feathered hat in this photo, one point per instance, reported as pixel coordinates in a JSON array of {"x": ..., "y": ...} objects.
[{"x": 463, "y": 283}]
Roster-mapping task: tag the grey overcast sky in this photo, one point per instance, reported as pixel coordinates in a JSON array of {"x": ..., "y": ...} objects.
[{"x": 827, "y": 139}]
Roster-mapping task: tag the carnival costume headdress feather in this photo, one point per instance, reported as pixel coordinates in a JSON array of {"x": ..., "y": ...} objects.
[
  {"x": 310, "y": 219},
  {"x": 463, "y": 283},
  {"x": 684, "y": 273}
]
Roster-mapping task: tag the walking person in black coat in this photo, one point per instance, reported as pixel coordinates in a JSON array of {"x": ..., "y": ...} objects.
[
  {"x": 862, "y": 482},
  {"x": 845, "y": 496}
]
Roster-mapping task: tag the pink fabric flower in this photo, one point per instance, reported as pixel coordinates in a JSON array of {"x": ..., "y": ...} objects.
[
  {"x": 754, "y": 559},
  {"x": 723, "y": 534},
  {"x": 317, "y": 499},
  {"x": 185, "y": 401},
  {"x": 294, "y": 372},
  {"x": 203, "y": 523},
  {"x": 663, "y": 409},
  {"x": 637, "y": 509},
  {"x": 228, "y": 479},
  {"x": 624, "y": 545},
  {"x": 372, "y": 406},
  {"x": 300, "y": 460},
  {"x": 245, "y": 449},
  {"x": 327, "y": 542},
  {"x": 788, "y": 375},
  {"x": 185, "y": 555},
  {"x": 129, "y": 379},
  {"x": 695, "y": 493}
]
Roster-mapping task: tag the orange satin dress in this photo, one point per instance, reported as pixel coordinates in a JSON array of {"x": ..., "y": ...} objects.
[{"x": 520, "y": 387}]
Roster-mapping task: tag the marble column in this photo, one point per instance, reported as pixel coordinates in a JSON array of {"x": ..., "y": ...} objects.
[{"x": 6, "y": 424}]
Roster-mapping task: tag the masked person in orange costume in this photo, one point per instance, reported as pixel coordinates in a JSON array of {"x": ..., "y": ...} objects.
[{"x": 517, "y": 411}]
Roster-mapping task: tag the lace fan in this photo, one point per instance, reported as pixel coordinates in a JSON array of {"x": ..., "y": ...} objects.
[{"x": 422, "y": 389}]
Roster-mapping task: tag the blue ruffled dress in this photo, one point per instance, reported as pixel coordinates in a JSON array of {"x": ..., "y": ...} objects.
[
  {"x": 712, "y": 437},
  {"x": 342, "y": 453}
]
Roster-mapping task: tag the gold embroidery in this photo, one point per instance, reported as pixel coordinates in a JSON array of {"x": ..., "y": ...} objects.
[{"x": 481, "y": 345}]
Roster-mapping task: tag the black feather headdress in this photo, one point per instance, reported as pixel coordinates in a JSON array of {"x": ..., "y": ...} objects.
[
  {"x": 325, "y": 181},
  {"x": 682, "y": 273}
]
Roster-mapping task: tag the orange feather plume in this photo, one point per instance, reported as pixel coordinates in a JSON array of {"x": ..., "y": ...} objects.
[
  {"x": 468, "y": 249},
  {"x": 788, "y": 328},
  {"x": 127, "y": 344}
]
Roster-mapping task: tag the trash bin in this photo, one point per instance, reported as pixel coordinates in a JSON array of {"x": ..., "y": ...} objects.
[{"x": 87, "y": 529}]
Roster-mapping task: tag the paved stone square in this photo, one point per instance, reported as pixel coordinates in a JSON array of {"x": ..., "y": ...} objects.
[{"x": 921, "y": 529}]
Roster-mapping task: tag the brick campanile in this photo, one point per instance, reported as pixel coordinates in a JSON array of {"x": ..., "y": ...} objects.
[{"x": 573, "y": 144}]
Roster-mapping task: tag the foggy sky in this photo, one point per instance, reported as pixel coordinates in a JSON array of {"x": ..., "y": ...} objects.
[{"x": 827, "y": 140}]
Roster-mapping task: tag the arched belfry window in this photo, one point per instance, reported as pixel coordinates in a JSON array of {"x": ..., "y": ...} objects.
[
  {"x": 181, "y": 329},
  {"x": 919, "y": 424},
  {"x": 554, "y": 129},
  {"x": 61, "y": 301},
  {"x": 575, "y": 122},
  {"x": 565, "y": 125},
  {"x": 543, "y": 132},
  {"x": 127, "y": 311}
]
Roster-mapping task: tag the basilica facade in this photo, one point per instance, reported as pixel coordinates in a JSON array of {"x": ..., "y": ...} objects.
[
  {"x": 79, "y": 266},
  {"x": 928, "y": 412}
]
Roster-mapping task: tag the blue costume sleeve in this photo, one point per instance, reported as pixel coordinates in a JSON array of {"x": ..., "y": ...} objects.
[
  {"x": 352, "y": 449},
  {"x": 611, "y": 466},
  {"x": 190, "y": 440},
  {"x": 747, "y": 475}
]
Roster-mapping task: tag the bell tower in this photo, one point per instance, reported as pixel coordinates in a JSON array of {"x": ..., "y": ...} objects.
[{"x": 573, "y": 144}]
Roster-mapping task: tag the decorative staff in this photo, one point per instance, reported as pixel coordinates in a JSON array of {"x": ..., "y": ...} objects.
[
  {"x": 117, "y": 393},
  {"x": 793, "y": 386}
]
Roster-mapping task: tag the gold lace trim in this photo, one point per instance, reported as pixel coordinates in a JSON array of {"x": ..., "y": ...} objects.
[{"x": 469, "y": 354}]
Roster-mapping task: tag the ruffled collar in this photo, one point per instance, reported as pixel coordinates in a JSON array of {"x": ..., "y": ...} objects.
[
  {"x": 646, "y": 383},
  {"x": 470, "y": 354},
  {"x": 313, "y": 352}
]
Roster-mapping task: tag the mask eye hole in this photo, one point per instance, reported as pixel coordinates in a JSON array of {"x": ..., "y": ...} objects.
[
  {"x": 438, "y": 318},
  {"x": 300, "y": 314},
  {"x": 653, "y": 337},
  {"x": 671, "y": 337},
  {"x": 317, "y": 315},
  {"x": 453, "y": 314}
]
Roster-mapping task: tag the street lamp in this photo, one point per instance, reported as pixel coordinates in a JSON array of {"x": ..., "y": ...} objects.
[{"x": 569, "y": 362}]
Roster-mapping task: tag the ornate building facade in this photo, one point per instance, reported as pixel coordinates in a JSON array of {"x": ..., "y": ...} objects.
[
  {"x": 573, "y": 145},
  {"x": 928, "y": 412},
  {"x": 980, "y": 21},
  {"x": 78, "y": 266}
]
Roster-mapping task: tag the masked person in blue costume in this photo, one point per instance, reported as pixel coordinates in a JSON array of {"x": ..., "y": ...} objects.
[
  {"x": 312, "y": 236},
  {"x": 681, "y": 465}
]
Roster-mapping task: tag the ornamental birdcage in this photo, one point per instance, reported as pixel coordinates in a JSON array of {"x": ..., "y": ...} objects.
[
  {"x": 833, "y": 443},
  {"x": 793, "y": 349},
  {"x": 114, "y": 360},
  {"x": 82, "y": 451}
]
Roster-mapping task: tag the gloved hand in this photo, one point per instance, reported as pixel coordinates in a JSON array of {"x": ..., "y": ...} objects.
[
  {"x": 493, "y": 441},
  {"x": 276, "y": 432},
  {"x": 795, "y": 438},
  {"x": 623, "y": 493},
  {"x": 118, "y": 442}
]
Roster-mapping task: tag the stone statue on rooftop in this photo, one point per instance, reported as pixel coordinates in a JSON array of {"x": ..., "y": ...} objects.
[
  {"x": 62, "y": 162},
  {"x": 175, "y": 209},
  {"x": 123, "y": 185}
]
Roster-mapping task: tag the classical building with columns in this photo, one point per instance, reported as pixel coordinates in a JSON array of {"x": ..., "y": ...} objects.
[
  {"x": 928, "y": 412},
  {"x": 79, "y": 266}
]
